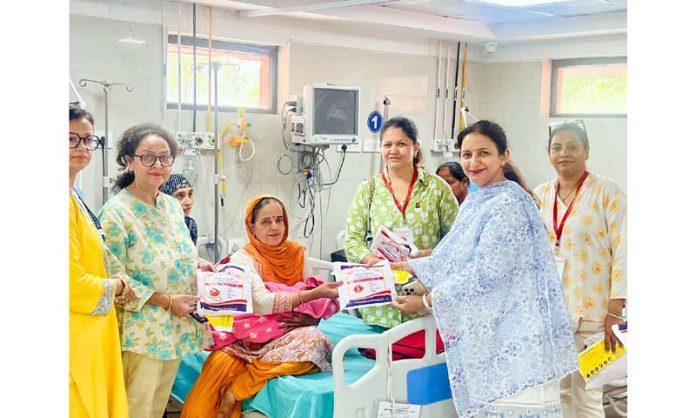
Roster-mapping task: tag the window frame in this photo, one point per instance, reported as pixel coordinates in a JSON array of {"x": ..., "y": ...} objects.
[
  {"x": 577, "y": 62},
  {"x": 270, "y": 51}
]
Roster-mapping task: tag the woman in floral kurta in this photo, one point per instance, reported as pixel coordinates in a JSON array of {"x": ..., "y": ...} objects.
[
  {"x": 496, "y": 294},
  {"x": 150, "y": 247},
  {"x": 240, "y": 370},
  {"x": 591, "y": 248},
  {"x": 429, "y": 213}
]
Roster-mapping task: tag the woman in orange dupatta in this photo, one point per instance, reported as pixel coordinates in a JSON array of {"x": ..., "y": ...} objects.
[{"x": 240, "y": 370}]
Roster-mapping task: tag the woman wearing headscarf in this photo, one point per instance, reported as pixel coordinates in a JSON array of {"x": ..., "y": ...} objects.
[
  {"x": 240, "y": 370},
  {"x": 181, "y": 189},
  {"x": 495, "y": 293},
  {"x": 585, "y": 215},
  {"x": 96, "y": 373}
]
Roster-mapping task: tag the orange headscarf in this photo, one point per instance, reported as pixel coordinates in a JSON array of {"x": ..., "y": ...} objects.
[{"x": 282, "y": 263}]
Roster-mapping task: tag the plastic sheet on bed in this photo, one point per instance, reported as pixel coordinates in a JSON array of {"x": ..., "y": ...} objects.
[{"x": 307, "y": 396}]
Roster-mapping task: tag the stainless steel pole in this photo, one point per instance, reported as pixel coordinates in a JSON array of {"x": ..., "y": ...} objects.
[
  {"x": 216, "y": 68},
  {"x": 105, "y": 147}
]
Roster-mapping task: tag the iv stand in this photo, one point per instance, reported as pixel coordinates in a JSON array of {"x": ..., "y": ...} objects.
[
  {"x": 106, "y": 86},
  {"x": 216, "y": 68}
]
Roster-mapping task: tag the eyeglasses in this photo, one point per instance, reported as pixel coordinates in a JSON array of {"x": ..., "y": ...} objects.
[
  {"x": 92, "y": 142},
  {"x": 574, "y": 123},
  {"x": 148, "y": 160}
]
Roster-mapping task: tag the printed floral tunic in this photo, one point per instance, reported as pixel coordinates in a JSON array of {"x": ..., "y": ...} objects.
[
  {"x": 429, "y": 214},
  {"x": 150, "y": 247}
]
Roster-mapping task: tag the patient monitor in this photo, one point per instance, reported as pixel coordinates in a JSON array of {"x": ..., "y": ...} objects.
[{"x": 328, "y": 115}]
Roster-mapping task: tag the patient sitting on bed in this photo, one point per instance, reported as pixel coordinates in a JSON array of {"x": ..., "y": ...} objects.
[{"x": 240, "y": 370}]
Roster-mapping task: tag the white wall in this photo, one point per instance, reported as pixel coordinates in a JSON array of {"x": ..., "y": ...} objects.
[
  {"x": 96, "y": 54},
  {"x": 510, "y": 94},
  {"x": 402, "y": 66}
]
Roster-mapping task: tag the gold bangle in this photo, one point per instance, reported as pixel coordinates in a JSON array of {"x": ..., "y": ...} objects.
[
  {"x": 616, "y": 316},
  {"x": 301, "y": 299},
  {"x": 169, "y": 308},
  {"x": 123, "y": 289}
]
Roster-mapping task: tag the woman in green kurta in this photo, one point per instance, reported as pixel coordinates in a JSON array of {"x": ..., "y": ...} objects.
[{"x": 404, "y": 198}]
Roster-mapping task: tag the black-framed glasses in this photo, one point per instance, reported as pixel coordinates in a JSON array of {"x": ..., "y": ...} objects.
[
  {"x": 148, "y": 160},
  {"x": 92, "y": 142},
  {"x": 578, "y": 123}
]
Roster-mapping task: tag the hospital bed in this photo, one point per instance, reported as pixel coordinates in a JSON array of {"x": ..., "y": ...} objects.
[{"x": 357, "y": 384}]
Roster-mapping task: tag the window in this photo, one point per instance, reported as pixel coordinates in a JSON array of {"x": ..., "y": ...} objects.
[
  {"x": 591, "y": 87},
  {"x": 247, "y": 75}
]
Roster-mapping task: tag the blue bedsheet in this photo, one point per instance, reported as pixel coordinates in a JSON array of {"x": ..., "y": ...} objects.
[{"x": 308, "y": 396}]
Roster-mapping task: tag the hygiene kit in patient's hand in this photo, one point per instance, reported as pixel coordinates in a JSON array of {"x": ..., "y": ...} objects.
[
  {"x": 225, "y": 292},
  {"x": 364, "y": 285}
]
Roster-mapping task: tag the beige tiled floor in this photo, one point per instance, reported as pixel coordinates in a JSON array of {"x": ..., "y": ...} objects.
[
  {"x": 174, "y": 408},
  {"x": 174, "y": 411}
]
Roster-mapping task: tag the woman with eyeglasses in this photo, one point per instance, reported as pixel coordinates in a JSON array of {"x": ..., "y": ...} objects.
[
  {"x": 96, "y": 373},
  {"x": 585, "y": 216},
  {"x": 150, "y": 245}
]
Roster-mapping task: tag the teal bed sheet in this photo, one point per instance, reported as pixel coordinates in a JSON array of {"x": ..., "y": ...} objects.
[{"x": 307, "y": 396}]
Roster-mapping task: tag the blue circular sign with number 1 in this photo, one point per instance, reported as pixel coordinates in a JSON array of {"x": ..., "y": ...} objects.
[{"x": 374, "y": 122}]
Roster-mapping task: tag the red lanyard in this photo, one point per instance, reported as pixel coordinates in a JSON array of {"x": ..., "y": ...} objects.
[
  {"x": 558, "y": 229},
  {"x": 402, "y": 209}
]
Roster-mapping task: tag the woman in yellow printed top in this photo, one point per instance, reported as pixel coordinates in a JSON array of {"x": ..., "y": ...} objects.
[
  {"x": 585, "y": 217},
  {"x": 404, "y": 198},
  {"x": 96, "y": 373}
]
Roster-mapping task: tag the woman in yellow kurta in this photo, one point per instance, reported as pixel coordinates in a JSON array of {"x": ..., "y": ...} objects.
[{"x": 96, "y": 374}]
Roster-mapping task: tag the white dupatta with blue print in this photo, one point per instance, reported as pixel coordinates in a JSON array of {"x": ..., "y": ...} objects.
[{"x": 497, "y": 299}]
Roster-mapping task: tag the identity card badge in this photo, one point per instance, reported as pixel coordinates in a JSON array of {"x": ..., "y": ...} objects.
[
  {"x": 397, "y": 410},
  {"x": 560, "y": 265}
]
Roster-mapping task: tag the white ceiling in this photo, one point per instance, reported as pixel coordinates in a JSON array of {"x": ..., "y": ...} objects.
[{"x": 466, "y": 20}]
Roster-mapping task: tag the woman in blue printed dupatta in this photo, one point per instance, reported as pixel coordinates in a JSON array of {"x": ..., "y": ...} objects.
[{"x": 496, "y": 293}]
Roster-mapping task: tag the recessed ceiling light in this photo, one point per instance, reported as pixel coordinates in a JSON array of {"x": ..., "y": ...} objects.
[
  {"x": 520, "y": 3},
  {"x": 132, "y": 41}
]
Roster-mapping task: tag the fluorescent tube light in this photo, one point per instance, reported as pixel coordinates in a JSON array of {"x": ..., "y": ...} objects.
[
  {"x": 521, "y": 3},
  {"x": 132, "y": 41}
]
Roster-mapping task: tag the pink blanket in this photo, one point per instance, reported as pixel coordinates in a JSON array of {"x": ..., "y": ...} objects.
[{"x": 257, "y": 328}]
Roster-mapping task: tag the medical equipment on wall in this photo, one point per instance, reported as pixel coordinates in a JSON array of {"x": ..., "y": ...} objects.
[
  {"x": 328, "y": 115},
  {"x": 236, "y": 136},
  {"x": 106, "y": 87},
  {"x": 80, "y": 100}
]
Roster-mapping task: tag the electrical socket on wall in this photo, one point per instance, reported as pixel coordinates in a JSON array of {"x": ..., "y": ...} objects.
[
  {"x": 438, "y": 145},
  {"x": 198, "y": 140},
  {"x": 356, "y": 147},
  {"x": 443, "y": 145}
]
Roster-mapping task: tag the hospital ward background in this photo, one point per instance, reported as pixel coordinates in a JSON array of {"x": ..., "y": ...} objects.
[{"x": 288, "y": 98}]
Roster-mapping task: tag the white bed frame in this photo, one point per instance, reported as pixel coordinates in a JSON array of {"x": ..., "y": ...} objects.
[{"x": 361, "y": 399}]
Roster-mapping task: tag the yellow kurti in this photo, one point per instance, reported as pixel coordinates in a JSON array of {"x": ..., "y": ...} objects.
[
  {"x": 96, "y": 372},
  {"x": 593, "y": 245}
]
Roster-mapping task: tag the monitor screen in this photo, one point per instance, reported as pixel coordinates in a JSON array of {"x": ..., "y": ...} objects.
[{"x": 335, "y": 112}]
